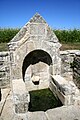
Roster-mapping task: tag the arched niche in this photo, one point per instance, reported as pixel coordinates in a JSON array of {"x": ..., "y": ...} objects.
[{"x": 35, "y": 57}]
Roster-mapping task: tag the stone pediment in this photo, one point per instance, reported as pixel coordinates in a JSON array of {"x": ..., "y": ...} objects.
[
  {"x": 36, "y": 29},
  {"x": 35, "y": 19}
]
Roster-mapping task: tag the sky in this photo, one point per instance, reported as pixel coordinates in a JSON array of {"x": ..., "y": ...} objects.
[{"x": 59, "y": 14}]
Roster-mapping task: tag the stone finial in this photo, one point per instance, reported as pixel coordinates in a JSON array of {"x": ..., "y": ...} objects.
[{"x": 37, "y": 18}]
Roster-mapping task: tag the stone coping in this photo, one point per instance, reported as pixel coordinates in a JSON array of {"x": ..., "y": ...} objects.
[
  {"x": 66, "y": 87},
  {"x": 4, "y": 53},
  {"x": 70, "y": 52}
]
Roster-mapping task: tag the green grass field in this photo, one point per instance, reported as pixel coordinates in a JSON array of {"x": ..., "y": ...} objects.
[{"x": 70, "y": 46}]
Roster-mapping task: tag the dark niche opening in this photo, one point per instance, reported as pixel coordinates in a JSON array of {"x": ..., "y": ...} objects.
[
  {"x": 36, "y": 82},
  {"x": 42, "y": 100}
]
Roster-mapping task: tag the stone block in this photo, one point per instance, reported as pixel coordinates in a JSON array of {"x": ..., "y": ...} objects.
[
  {"x": 37, "y": 115},
  {"x": 20, "y": 96}
]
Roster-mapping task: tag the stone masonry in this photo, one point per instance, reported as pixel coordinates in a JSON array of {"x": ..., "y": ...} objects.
[
  {"x": 34, "y": 61},
  {"x": 4, "y": 69},
  {"x": 36, "y": 38},
  {"x": 34, "y": 45},
  {"x": 76, "y": 69}
]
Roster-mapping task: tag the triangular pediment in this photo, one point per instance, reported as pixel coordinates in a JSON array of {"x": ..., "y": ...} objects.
[
  {"x": 36, "y": 29},
  {"x": 37, "y": 18}
]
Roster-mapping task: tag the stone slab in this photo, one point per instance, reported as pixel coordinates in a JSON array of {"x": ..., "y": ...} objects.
[
  {"x": 8, "y": 111},
  {"x": 37, "y": 115},
  {"x": 64, "y": 113}
]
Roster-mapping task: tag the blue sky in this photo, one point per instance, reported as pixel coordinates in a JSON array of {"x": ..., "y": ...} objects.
[{"x": 59, "y": 14}]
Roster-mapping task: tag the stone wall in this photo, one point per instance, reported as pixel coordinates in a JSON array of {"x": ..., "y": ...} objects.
[
  {"x": 76, "y": 69},
  {"x": 67, "y": 58},
  {"x": 65, "y": 90},
  {"x": 4, "y": 69}
]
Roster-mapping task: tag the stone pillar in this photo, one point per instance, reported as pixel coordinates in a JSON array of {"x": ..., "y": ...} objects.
[
  {"x": 51, "y": 69},
  {"x": 20, "y": 96},
  {"x": 56, "y": 65}
]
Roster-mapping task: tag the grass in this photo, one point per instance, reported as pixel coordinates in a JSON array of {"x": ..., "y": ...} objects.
[
  {"x": 3, "y": 47},
  {"x": 70, "y": 46},
  {"x": 42, "y": 100}
]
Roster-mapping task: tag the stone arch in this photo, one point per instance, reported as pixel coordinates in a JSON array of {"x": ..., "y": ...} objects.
[{"x": 34, "y": 57}]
